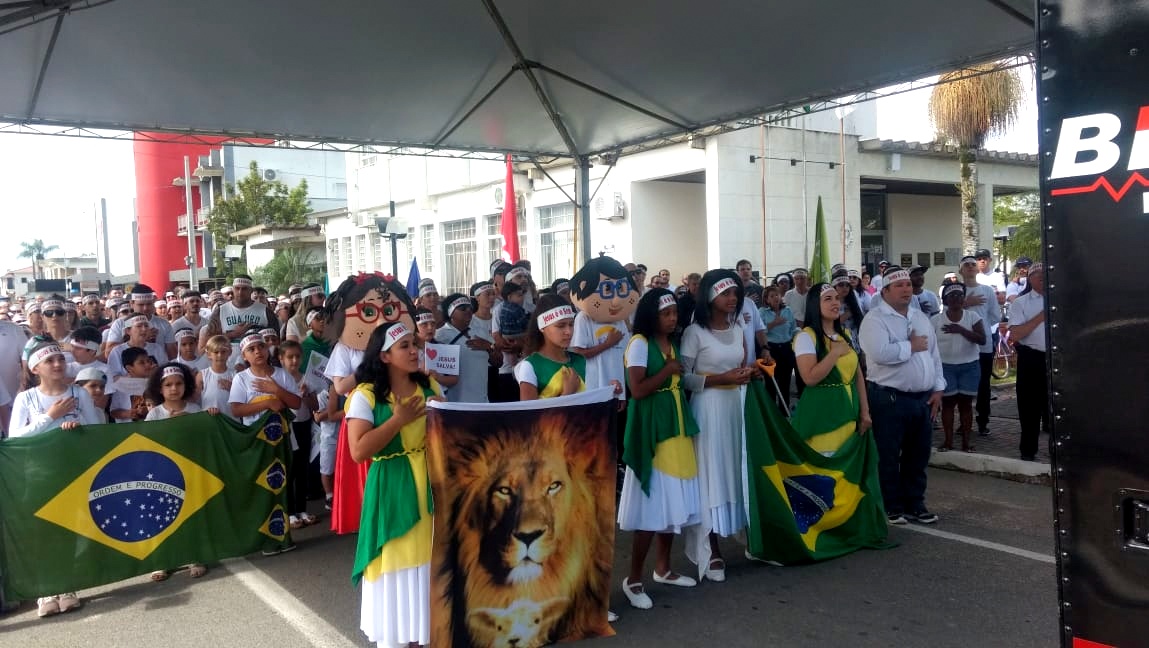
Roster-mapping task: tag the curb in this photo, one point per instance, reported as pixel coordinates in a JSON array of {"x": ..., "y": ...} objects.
[{"x": 1029, "y": 472}]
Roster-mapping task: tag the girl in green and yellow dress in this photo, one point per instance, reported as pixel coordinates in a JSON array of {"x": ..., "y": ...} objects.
[
  {"x": 386, "y": 425},
  {"x": 833, "y": 407}
]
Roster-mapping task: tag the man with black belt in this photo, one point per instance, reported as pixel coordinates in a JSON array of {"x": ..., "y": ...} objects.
[
  {"x": 1027, "y": 328},
  {"x": 904, "y": 386}
]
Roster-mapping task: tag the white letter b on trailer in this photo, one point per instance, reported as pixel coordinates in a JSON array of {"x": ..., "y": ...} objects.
[{"x": 1071, "y": 143}]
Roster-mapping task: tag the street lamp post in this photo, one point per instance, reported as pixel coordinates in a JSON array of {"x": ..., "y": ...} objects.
[{"x": 387, "y": 226}]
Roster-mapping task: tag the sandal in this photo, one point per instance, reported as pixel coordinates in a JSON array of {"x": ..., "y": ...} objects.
[
  {"x": 307, "y": 519},
  {"x": 160, "y": 575},
  {"x": 294, "y": 522},
  {"x": 196, "y": 570}
]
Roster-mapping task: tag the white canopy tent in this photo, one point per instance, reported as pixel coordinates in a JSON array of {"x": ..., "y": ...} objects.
[{"x": 558, "y": 79}]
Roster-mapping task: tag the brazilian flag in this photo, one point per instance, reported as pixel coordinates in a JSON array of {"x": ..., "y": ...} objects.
[
  {"x": 805, "y": 506},
  {"x": 97, "y": 504}
]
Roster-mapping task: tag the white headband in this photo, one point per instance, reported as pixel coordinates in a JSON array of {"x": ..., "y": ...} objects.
[
  {"x": 666, "y": 301},
  {"x": 424, "y": 318},
  {"x": 183, "y": 333},
  {"x": 518, "y": 272},
  {"x": 254, "y": 338},
  {"x": 827, "y": 288},
  {"x": 556, "y": 314},
  {"x": 896, "y": 275},
  {"x": 143, "y": 297},
  {"x": 85, "y": 344},
  {"x": 43, "y": 354},
  {"x": 722, "y": 286},
  {"x": 800, "y": 272},
  {"x": 138, "y": 319},
  {"x": 427, "y": 289},
  {"x": 267, "y": 332},
  {"x": 563, "y": 286},
  {"x": 171, "y": 371},
  {"x": 312, "y": 315},
  {"x": 952, "y": 288},
  {"x": 457, "y": 304},
  {"x": 839, "y": 281},
  {"x": 52, "y": 304},
  {"x": 394, "y": 334},
  {"x": 482, "y": 289},
  {"x": 241, "y": 282},
  {"x": 314, "y": 290}
]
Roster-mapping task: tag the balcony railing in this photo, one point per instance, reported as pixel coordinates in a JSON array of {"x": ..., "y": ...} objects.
[{"x": 201, "y": 219}]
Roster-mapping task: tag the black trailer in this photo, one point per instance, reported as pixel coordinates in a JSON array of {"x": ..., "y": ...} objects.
[{"x": 1093, "y": 89}]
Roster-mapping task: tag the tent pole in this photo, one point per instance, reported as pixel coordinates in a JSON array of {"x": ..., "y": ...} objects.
[{"x": 582, "y": 190}]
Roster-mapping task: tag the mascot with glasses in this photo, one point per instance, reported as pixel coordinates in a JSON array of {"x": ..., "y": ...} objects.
[{"x": 362, "y": 303}]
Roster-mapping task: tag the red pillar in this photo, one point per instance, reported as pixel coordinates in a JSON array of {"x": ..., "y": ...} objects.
[{"x": 158, "y": 206}]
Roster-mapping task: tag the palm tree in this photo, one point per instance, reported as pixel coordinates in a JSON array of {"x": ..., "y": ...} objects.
[
  {"x": 36, "y": 251},
  {"x": 291, "y": 265},
  {"x": 965, "y": 109}
]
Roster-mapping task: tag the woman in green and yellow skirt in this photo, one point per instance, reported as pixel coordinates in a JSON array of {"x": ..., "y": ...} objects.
[
  {"x": 386, "y": 425},
  {"x": 833, "y": 407}
]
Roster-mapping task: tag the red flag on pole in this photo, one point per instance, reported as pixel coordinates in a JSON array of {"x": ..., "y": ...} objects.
[{"x": 509, "y": 225}]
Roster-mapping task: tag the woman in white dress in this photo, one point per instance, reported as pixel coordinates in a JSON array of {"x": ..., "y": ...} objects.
[{"x": 713, "y": 356}]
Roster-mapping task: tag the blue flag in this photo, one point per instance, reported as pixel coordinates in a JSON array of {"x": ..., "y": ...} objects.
[{"x": 413, "y": 280}]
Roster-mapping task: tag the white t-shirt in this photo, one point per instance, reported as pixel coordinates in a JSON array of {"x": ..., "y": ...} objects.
[
  {"x": 233, "y": 317},
  {"x": 751, "y": 324},
  {"x": 30, "y": 411},
  {"x": 12, "y": 340},
  {"x": 1024, "y": 309},
  {"x": 953, "y": 347},
  {"x": 160, "y": 412},
  {"x": 217, "y": 390},
  {"x": 636, "y": 352},
  {"x": 343, "y": 362},
  {"x": 472, "y": 385},
  {"x": 995, "y": 280},
  {"x": 185, "y": 323},
  {"x": 608, "y": 365},
  {"x": 796, "y": 302},
  {"x": 243, "y": 392},
  {"x": 201, "y": 362},
  {"x": 292, "y": 329}
]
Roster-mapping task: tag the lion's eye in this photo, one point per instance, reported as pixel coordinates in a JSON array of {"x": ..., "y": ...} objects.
[
  {"x": 504, "y": 491},
  {"x": 555, "y": 487}
]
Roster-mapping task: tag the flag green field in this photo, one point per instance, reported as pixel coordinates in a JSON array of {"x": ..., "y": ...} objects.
[{"x": 97, "y": 504}]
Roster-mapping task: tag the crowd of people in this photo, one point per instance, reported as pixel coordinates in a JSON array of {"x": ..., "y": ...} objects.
[{"x": 845, "y": 357}]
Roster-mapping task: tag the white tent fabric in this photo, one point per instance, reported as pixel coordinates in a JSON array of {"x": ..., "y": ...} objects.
[{"x": 416, "y": 73}]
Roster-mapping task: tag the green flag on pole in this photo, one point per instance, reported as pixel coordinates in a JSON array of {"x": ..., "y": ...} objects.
[
  {"x": 102, "y": 503},
  {"x": 820, "y": 261},
  {"x": 804, "y": 506}
]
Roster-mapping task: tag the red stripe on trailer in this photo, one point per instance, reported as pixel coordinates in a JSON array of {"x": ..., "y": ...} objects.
[
  {"x": 1078, "y": 642},
  {"x": 1143, "y": 118}
]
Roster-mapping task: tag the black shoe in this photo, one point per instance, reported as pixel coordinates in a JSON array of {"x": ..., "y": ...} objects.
[
  {"x": 983, "y": 430},
  {"x": 895, "y": 518},
  {"x": 1026, "y": 457},
  {"x": 923, "y": 517}
]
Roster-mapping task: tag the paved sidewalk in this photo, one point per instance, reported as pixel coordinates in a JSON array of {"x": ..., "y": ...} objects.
[{"x": 997, "y": 453}]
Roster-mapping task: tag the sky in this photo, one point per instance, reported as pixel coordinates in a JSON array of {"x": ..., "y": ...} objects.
[{"x": 49, "y": 185}]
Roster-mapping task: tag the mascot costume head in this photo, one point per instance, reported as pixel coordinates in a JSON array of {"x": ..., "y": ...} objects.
[
  {"x": 362, "y": 303},
  {"x": 604, "y": 291}
]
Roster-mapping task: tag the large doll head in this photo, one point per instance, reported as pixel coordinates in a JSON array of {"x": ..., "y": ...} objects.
[
  {"x": 604, "y": 291},
  {"x": 362, "y": 303}
]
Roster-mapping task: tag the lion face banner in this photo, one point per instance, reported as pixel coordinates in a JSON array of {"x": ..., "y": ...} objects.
[{"x": 524, "y": 520}]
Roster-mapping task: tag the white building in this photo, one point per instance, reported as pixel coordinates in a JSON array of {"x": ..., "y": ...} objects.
[{"x": 745, "y": 194}]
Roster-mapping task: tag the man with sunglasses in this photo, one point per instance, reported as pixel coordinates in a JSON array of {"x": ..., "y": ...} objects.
[{"x": 241, "y": 315}]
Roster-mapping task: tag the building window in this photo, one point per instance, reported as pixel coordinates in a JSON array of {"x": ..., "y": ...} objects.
[
  {"x": 426, "y": 260},
  {"x": 362, "y": 261},
  {"x": 459, "y": 249},
  {"x": 495, "y": 240},
  {"x": 348, "y": 266},
  {"x": 377, "y": 251},
  {"x": 874, "y": 230},
  {"x": 874, "y": 211},
  {"x": 368, "y": 160},
  {"x": 557, "y": 246},
  {"x": 410, "y": 245},
  {"x": 333, "y": 256}
]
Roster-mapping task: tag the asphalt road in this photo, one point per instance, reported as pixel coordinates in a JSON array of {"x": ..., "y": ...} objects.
[{"x": 983, "y": 576}]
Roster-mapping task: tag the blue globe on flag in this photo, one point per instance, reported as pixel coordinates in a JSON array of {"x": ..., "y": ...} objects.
[
  {"x": 276, "y": 475},
  {"x": 136, "y": 496}
]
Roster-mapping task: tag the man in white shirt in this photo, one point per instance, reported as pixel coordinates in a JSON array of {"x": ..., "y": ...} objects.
[
  {"x": 143, "y": 300},
  {"x": 904, "y": 388},
  {"x": 795, "y": 298},
  {"x": 982, "y": 299},
  {"x": 876, "y": 280},
  {"x": 753, "y": 328},
  {"x": 988, "y": 276},
  {"x": 1027, "y": 327},
  {"x": 925, "y": 300},
  {"x": 1013, "y": 290}
]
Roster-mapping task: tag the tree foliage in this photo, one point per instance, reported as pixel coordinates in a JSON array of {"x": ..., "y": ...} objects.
[
  {"x": 290, "y": 266},
  {"x": 36, "y": 251},
  {"x": 965, "y": 109},
  {"x": 1023, "y": 213},
  {"x": 256, "y": 201}
]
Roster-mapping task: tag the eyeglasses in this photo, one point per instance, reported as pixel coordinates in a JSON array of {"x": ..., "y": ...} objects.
[
  {"x": 612, "y": 289},
  {"x": 369, "y": 313},
  {"x": 52, "y": 313}
]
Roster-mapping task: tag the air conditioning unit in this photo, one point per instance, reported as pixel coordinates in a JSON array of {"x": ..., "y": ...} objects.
[
  {"x": 365, "y": 219},
  {"x": 271, "y": 175},
  {"x": 609, "y": 209}
]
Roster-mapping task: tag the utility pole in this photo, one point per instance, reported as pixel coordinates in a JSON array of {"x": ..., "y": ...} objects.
[{"x": 191, "y": 260}]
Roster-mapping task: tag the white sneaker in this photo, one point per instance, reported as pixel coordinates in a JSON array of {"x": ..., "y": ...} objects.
[
  {"x": 639, "y": 599},
  {"x": 69, "y": 601},
  {"x": 611, "y": 617},
  {"x": 47, "y": 606}
]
